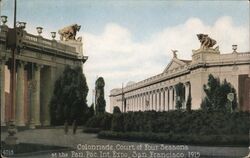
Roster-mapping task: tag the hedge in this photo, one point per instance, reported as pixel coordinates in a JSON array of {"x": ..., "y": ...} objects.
[
  {"x": 178, "y": 122},
  {"x": 211, "y": 140},
  {"x": 193, "y": 127}
]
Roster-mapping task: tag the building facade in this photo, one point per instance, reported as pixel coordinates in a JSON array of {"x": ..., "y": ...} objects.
[
  {"x": 159, "y": 92},
  {"x": 38, "y": 64}
]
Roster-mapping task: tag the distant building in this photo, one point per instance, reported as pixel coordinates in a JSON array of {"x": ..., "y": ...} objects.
[{"x": 158, "y": 92}]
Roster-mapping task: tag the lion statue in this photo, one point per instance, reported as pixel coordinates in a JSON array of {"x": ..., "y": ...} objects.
[
  {"x": 69, "y": 32},
  {"x": 206, "y": 42}
]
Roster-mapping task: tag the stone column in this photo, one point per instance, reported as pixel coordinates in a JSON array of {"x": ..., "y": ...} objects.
[
  {"x": 132, "y": 103},
  {"x": 19, "y": 110},
  {"x": 135, "y": 102},
  {"x": 159, "y": 101},
  {"x": 139, "y": 99},
  {"x": 166, "y": 100},
  {"x": 143, "y": 101},
  {"x": 139, "y": 102},
  {"x": 162, "y": 101},
  {"x": 156, "y": 101},
  {"x": 47, "y": 80},
  {"x": 186, "y": 94},
  {"x": 2, "y": 91},
  {"x": 129, "y": 104},
  {"x": 35, "y": 113},
  {"x": 152, "y": 101},
  {"x": 170, "y": 98},
  {"x": 174, "y": 98},
  {"x": 148, "y": 101}
]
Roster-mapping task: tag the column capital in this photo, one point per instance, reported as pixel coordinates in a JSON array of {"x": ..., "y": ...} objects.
[
  {"x": 187, "y": 83},
  {"x": 32, "y": 85},
  {"x": 38, "y": 66},
  {"x": 21, "y": 63},
  {"x": 3, "y": 61}
]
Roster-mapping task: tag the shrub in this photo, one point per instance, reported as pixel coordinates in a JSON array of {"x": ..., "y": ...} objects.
[
  {"x": 228, "y": 140},
  {"x": 102, "y": 121},
  {"x": 116, "y": 110}
]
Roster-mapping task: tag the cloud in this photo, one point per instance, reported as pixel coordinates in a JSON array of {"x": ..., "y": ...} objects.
[{"x": 115, "y": 56}]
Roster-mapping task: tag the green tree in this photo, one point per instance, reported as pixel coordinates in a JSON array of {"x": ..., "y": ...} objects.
[
  {"x": 216, "y": 95},
  {"x": 100, "y": 100},
  {"x": 189, "y": 103},
  {"x": 90, "y": 112},
  {"x": 180, "y": 95},
  {"x": 116, "y": 110},
  {"x": 69, "y": 98}
]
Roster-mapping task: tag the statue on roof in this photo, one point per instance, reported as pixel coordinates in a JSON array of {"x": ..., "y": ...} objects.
[
  {"x": 206, "y": 41},
  {"x": 69, "y": 32},
  {"x": 174, "y": 53}
]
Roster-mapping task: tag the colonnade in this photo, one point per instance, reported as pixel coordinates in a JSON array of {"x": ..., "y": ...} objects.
[
  {"x": 162, "y": 99},
  {"x": 29, "y": 109}
]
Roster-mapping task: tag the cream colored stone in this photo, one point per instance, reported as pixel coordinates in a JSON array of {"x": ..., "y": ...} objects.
[{"x": 193, "y": 74}]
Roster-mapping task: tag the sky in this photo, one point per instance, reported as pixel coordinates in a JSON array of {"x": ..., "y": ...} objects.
[{"x": 129, "y": 40}]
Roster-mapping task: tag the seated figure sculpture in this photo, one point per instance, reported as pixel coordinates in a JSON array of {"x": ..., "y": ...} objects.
[
  {"x": 206, "y": 41},
  {"x": 69, "y": 32}
]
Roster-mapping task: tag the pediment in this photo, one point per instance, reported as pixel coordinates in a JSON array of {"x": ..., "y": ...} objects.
[{"x": 175, "y": 63}]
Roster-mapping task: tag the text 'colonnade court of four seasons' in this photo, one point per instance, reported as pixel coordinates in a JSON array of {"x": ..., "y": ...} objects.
[
  {"x": 159, "y": 92},
  {"x": 38, "y": 64}
]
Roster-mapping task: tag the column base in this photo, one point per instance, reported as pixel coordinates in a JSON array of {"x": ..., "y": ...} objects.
[
  {"x": 46, "y": 123},
  {"x": 38, "y": 124},
  {"x": 3, "y": 123},
  {"x": 32, "y": 126},
  {"x": 20, "y": 124}
]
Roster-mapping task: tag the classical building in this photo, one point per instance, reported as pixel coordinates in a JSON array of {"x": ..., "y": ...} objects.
[
  {"x": 159, "y": 92},
  {"x": 38, "y": 65}
]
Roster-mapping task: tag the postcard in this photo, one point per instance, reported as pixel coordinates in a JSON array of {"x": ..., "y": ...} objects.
[{"x": 125, "y": 78}]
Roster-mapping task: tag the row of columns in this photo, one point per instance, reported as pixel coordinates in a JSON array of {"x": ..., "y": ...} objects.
[
  {"x": 33, "y": 91},
  {"x": 160, "y": 100}
]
